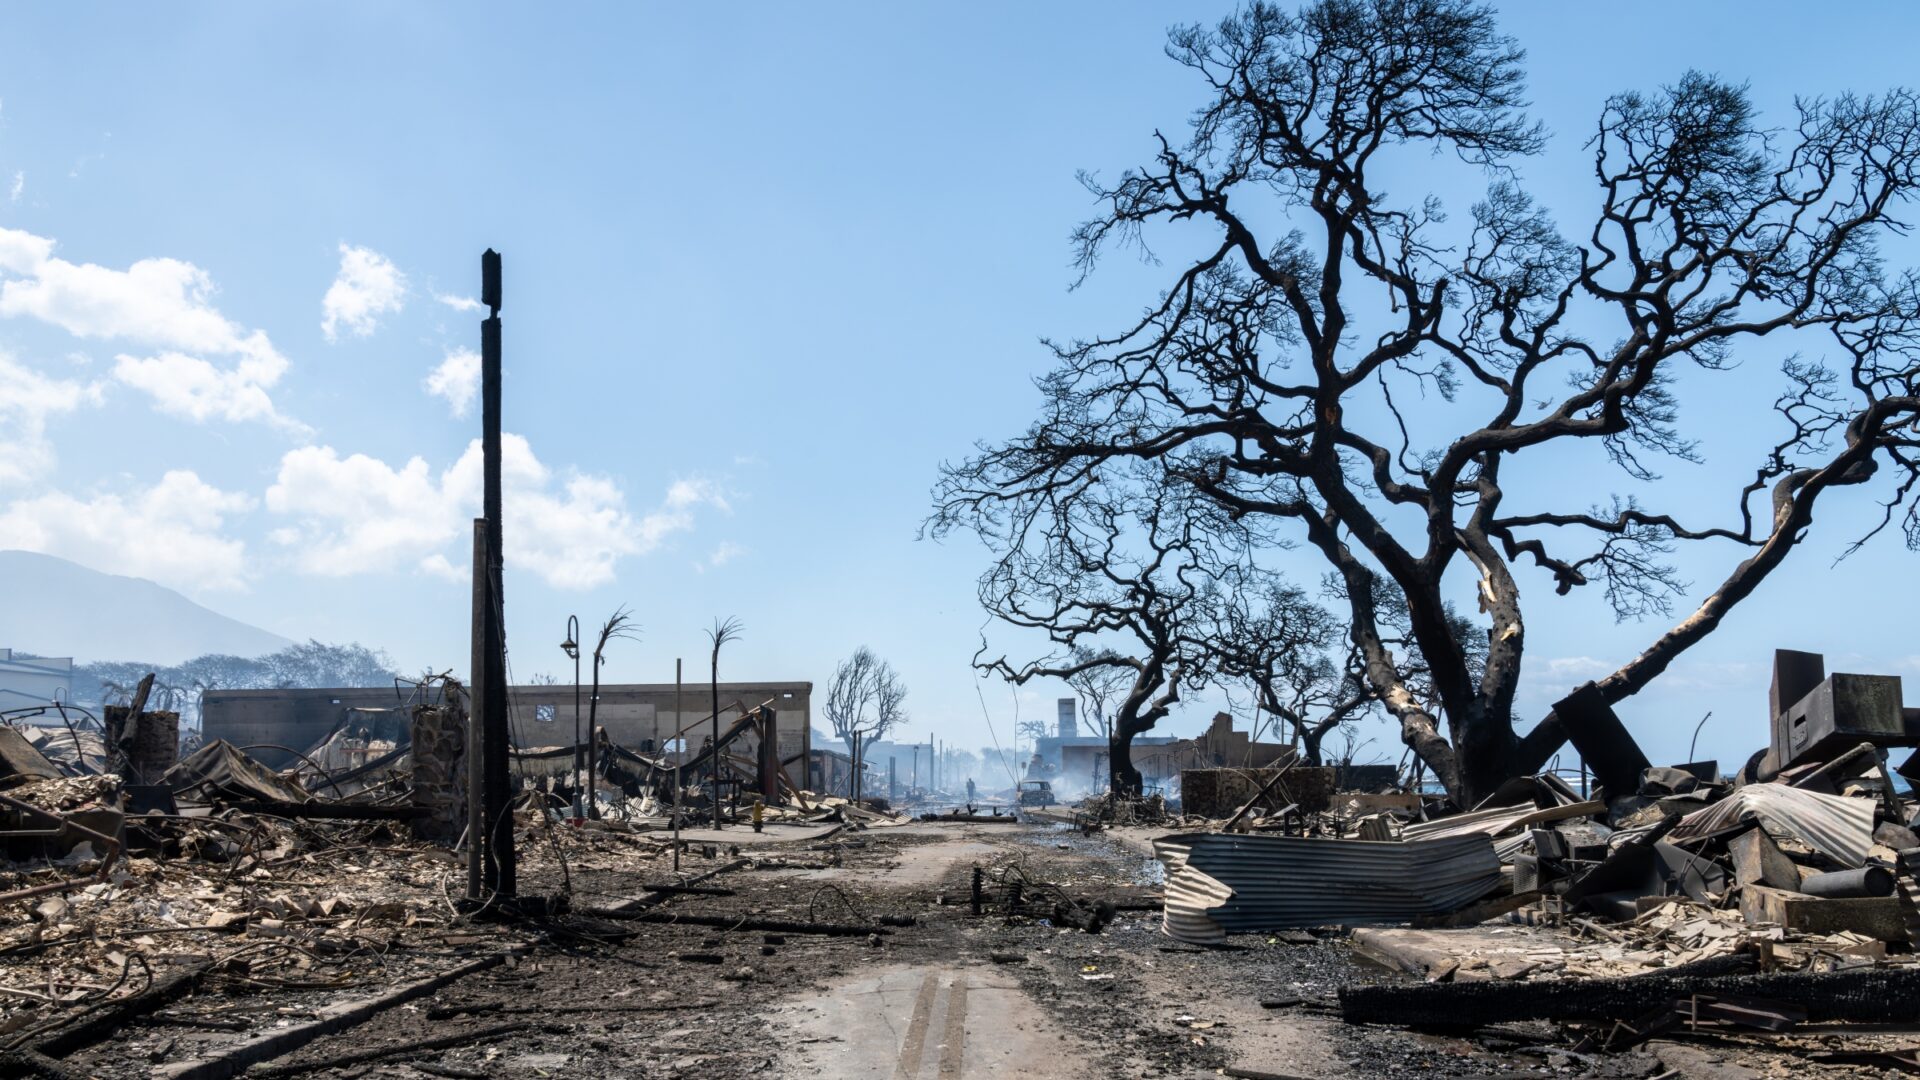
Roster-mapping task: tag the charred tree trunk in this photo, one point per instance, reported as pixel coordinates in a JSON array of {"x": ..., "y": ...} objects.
[
  {"x": 1122, "y": 778},
  {"x": 1310, "y": 745}
]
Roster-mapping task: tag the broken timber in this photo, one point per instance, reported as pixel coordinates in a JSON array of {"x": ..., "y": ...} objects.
[
  {"x": 1884, "y": 996},
  {"x": 233, "y": 1060},
  {"x": 736, "y": 922}
]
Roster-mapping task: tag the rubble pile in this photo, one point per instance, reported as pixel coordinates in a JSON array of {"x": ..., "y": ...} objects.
[
  {"x": 134, "y": 881},
  {"x": 1804, "y": 863},
  {"x": 1113, "y": 808}
]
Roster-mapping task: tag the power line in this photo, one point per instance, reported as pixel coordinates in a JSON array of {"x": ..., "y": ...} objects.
[{"x": 996, "y": 735}]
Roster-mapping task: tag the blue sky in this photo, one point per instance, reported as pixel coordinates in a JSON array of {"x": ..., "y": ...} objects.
[{"x": 765, "y": 267}]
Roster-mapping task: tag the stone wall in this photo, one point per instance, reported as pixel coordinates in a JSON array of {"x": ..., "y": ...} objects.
[{"x": 440, "y": 771}]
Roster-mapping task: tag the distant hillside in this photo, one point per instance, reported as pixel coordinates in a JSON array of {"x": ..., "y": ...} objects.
[{"x": 53, "y": 607}]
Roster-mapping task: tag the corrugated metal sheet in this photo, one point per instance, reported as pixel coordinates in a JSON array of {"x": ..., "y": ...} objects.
[
  {"x": 1836, "y": 825},
  {"x": 1222, "y": 883},
  {"x": 1498, "y": 820}
]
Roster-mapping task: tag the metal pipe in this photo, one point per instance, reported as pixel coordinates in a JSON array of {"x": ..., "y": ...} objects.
[
  {"x": 79, "y": 754},
  {"x": 572, "y": 649},
  {"x": 1867, "y": 881},
  {"x": 324, "y": 774}
]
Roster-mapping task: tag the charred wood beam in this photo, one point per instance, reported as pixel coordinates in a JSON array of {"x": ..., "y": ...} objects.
[
  {"x": 385, "y": 1053},
  {"x": 232, "y": 1060},
  {"x": 110, "y": 1016},
  {"x": 735, "y": 922},
  {"x": 1884, "y": 996},
  {"x": 656, "y": 897}
]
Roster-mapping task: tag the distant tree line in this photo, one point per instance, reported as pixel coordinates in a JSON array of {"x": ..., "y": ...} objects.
[{"x": 178, "y": 687}]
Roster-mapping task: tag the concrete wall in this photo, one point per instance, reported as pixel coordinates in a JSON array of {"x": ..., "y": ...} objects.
[{"x": 638, "y": 716}]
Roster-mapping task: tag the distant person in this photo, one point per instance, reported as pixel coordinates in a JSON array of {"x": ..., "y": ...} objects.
[{"x": 971, "y": 791}]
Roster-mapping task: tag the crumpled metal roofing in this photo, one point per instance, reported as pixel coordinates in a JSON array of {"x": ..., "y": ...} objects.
[
  {"x": 1222, "y": 883},
  {"x": 219, "y": 767},
  {"x": 1498, "y": 820},
  {"x": 1836, "y": 825}
]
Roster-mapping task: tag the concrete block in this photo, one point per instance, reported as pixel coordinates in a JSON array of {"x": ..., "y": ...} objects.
[{"x": 1876, "y": 917}]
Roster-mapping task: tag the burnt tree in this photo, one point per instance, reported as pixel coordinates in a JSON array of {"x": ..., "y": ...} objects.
[
  {"x": 1274, "y": 374},
  {"x": 865, "y": 701},
  {"x": 1121, "y": 581},
  {"x": 1099, "y": 687},
  {"x": 1296, "y": 657}
]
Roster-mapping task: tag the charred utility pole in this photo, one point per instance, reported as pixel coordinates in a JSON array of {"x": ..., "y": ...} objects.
[
  {"x": 476, "y": 683},
  {"x": 491, "y": 671}
]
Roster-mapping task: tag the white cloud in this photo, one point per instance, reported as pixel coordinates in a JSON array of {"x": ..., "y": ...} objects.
[
  {"x": 698, "y": 491},
  {"x": 1582, "y": 668},
  {"x": 367, "y": 287},
  {"x": 19, "y": 186},
  {"x": 442, "y": 567},
  {"x": 357, "y": 514},
  {"x": 198, "y": 390},
  {"x": 27, "y": 399},
  {"x": 675, "y": 513},
  {"x": 460, "y": 303},
  {"x": 457, "y": 379},
  {"x": 22, "y": 252},
  {"x": 170, "y": 532},
  {"x": 165, "y": 303},
  {"x": 726, "y": 552}
]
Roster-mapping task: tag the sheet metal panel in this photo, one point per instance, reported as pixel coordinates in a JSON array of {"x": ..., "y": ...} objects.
[
  {"x": 1499, "y": 820},
  {"x": 1836, "y": 825},
  {"x": 1222, "y": 883}
]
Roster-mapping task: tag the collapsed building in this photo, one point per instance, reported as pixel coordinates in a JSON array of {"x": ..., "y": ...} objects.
[{"x": 648, "y": 719}]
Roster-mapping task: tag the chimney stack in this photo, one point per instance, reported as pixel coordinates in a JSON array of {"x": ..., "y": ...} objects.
[{"x": 1069, "y": 725}]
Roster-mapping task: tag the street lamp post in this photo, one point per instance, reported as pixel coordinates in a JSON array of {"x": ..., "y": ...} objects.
[{"x": 571, "y": 647}]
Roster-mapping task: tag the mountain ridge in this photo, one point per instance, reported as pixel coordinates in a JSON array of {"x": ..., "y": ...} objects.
[{"x": 52, "y": 606}]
